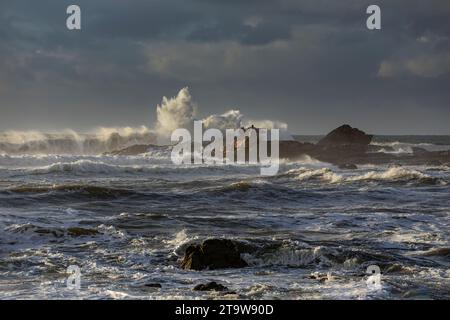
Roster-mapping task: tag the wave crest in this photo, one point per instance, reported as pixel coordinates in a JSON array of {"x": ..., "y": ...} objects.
[
  {"x": 70, "y": 142},
  {"x": 395, "y": 174}
]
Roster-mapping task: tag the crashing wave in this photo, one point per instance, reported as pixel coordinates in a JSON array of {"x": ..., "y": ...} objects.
[
  {"x": 395, "y": 174},
  {"x": 321, "y": 175},
  {"x": 85, "y": 166},
  {"x": 398, "y": 147},
  {"x": 71, "y": 142}
]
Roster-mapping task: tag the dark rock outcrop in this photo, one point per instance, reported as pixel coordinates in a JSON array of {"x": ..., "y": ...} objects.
[
  {"x": 213, "y": 254},
  {"x": 79, "y": 232},
  {"x": 153, "y": 285},
  {"x": 344, "y": 146},
  {"x": 210, "y": 286},
  {"x": 294, "y": 149},
  {"x": 345, "y": 135}
]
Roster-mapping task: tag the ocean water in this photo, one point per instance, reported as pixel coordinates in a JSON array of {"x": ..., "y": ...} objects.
[{"x": 314, "y": 228}]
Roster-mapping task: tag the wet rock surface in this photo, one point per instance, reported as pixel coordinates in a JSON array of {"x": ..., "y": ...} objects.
[
  {"x": 210, "y": 286},
  {"x": 213, "y": 254}
]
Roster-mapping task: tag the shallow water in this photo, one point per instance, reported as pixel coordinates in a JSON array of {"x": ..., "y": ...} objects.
[{"x": 314, "y": 228}]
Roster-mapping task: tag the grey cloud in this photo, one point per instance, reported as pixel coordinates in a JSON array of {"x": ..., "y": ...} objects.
[{"x": 310, "y": 63}]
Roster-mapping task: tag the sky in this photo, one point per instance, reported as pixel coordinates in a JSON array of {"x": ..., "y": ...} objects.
[{"x": 312, "y": 64}]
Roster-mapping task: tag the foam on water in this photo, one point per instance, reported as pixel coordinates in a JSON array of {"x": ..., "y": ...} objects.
[{"x": 311, "y": 231}]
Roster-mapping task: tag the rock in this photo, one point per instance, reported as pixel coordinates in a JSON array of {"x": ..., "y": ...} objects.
[
  {"x": 294, "y": 149},
  {"x": 210, "y": 286},
  {"x": 439, "y": 252},
  {"x": 213, "y": 254},
  {"x": 78, "y": 232},
  {"x": 153, "y": 285},
  {"x": 345, "y": 135},
  {"x": 348, "y": 166},
  {"x": 321, "y": 277}
]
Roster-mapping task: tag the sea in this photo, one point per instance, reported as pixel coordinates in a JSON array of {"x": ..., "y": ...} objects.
[{"x": 315, "y": 230}]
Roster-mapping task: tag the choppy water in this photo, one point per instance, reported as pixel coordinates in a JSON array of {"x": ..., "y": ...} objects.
[{"x": 126, "y": 220}]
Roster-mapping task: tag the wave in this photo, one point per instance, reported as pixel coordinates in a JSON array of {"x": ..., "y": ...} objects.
[
  {"x": 89, "y": 190},
  {"x": 291, "y": 253},
  {"x": 394, "y": 174},
  {"x": 85, "y": 166},
  {"x": 70, "y": 142},
  {"x": 322, "y": 175},
  {"x": 398, "y": 147},
  {"x": 286, "y": 256},
  {"x": 33, "y": 232},
  {"x": 51, "y": 231}
]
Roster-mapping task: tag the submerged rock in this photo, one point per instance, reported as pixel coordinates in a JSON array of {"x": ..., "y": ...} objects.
[
  {"x": 213, "y": 254},
  {"x": 210, "y": 286},
  {"x": 79, "y": 232},
  {"x": 153, "y": 285}
]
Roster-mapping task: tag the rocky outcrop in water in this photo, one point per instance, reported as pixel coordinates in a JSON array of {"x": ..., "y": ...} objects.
[
  {"x": 210, "y": 286},
  {"x": 344, "y": 136},
  {"x": 348, "y": 166},
  {"x": 213, "y": 254},
  {"x": 344, "y": 146}
]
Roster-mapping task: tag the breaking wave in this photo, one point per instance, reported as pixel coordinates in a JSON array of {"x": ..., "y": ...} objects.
[
  {"x": 398, "y": 147},
  {"x": 395, "y": 174},
  {"x": 85, "y": 166},
  {"x": 71, "y": 142},
  {"x": 173, "y": 113}
]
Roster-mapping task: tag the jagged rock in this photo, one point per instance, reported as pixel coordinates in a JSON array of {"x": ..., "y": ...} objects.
[
  {"x": 210, "y": 286},
  {"x": 345, "y": 135},
  {"x": 348, "y": 166},
  {"x": 213, "y": 254}
]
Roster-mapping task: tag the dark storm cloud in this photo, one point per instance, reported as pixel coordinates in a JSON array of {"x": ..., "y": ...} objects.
[{"x": 312, "y": 64}]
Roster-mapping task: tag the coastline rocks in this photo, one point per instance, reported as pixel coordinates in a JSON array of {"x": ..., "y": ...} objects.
[
  {"x": 210, "y": 286},
  {"x": 213, "y": 254},
  {"x": 345, "y": 135},
  {"x": 294, "y": 149}
]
